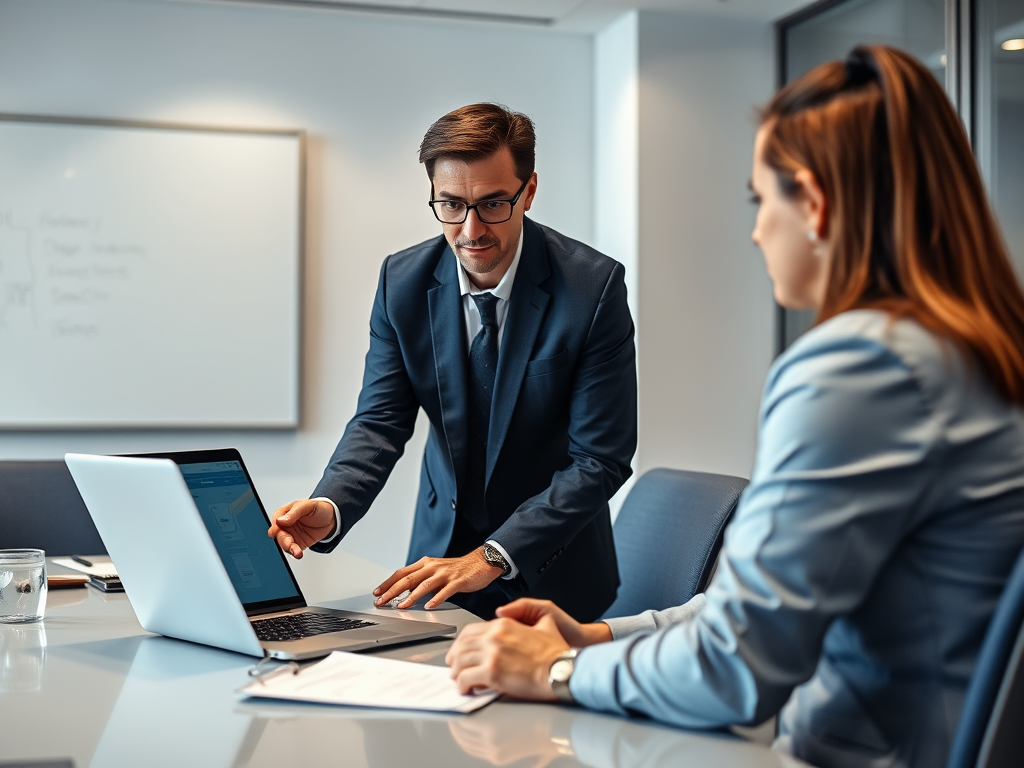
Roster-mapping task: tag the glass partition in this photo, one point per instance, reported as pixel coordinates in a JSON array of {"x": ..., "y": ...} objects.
[
  {"x": 916, "y": 26},
  {"x": 974, "y": 47},
  {"x": 999, "y": 116},
  {"x": 830, "y": 30}
]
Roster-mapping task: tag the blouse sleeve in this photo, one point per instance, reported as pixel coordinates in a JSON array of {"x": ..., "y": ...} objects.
[
  {"x": 846, "y": 442},
  {"x": 651, "y": 621}
]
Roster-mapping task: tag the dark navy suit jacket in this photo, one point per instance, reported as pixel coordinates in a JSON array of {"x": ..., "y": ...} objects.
[{"x": 563, "y": 419}]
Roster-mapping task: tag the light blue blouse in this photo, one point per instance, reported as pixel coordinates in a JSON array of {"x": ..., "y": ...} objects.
[{"x": 865, "y": 559}]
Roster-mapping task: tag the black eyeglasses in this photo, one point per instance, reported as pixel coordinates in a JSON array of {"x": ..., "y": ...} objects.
[{"x": 488, "y": 211}]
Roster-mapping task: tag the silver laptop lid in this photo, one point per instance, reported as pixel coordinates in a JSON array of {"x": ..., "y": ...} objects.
[{"x": 145, "y": 513}]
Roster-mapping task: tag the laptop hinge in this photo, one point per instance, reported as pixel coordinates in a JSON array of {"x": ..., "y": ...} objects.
[{"x": 263, "y": 609}]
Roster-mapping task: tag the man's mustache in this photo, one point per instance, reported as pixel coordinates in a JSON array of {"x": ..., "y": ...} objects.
[{"x": 483, "y": 242}]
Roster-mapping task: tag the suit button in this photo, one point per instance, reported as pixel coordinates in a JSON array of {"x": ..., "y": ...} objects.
[
  {"x": 541, "y": 569},
  {"x": 453, "y": 506}
]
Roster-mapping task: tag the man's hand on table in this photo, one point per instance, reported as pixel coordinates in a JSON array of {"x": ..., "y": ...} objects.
[
  {"x": 444, "y": 576},
  {"x": 301, "y": 524}
]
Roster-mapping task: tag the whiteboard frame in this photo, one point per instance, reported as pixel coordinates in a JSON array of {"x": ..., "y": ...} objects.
[{"x": 298, "y": 133}]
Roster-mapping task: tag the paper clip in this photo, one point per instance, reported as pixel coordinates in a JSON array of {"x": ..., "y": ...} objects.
[{"x": 263, "y": 673}]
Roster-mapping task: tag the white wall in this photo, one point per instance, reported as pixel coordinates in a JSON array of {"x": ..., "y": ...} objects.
[
  {"x": 365, "y": 88},
  {"x": 616, "y": 167},
  {"x": 674, "y": 128},
  {"x": 616, "y": 148},
  {"x": 706, "y": 311}
]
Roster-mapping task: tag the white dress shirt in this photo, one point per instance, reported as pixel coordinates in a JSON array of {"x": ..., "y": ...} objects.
[
  {"x": 471, "y": 316},
  {"x": 503, "y": 290}
]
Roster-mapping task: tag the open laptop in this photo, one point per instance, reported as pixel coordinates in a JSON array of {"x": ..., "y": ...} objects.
[{"x": 189, "y": 537}]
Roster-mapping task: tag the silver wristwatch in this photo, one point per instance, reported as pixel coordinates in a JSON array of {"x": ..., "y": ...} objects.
[
  {"x": 494, "y": 557},
  {"x": 560, "y": 672}
]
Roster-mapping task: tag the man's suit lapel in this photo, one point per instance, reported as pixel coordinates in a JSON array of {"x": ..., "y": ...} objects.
[
  {"x": 526, "y": 308},
  {"x": 446, "y": 329}
]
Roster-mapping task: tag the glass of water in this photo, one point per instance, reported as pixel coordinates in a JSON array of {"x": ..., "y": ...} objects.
[{"x": 22, "y": 585}]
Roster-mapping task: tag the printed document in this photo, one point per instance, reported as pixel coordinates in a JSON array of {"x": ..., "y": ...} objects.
[{"x": 369, "y": 681}]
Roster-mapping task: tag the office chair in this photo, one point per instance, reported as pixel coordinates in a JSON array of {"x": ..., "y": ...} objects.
[
  {"x": 40, "y": 507},
  {"x": 991, "y": 729},
  {"x": 667, "y": 537}
]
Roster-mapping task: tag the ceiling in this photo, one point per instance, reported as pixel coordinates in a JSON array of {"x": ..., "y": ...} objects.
[{"x": 574, "y": 16}]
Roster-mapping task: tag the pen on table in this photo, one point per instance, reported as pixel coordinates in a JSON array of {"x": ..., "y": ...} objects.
[{"x": 82, "y": 560}]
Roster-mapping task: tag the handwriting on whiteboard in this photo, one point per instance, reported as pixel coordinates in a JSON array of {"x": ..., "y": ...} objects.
[{"x": 59, "y": 270}]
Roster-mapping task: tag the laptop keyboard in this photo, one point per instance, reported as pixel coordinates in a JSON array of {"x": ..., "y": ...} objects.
[{"x": 296, "y": 626}]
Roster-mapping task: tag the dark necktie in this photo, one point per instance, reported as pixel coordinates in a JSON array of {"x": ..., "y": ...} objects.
[{"x": 483, "y": 363}]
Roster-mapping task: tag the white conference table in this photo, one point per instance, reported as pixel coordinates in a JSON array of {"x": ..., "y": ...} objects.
[{"x": 90, "y": 687}]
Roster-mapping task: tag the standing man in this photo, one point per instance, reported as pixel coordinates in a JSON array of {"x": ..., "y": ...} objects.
[{"x": 518, "y": 344}]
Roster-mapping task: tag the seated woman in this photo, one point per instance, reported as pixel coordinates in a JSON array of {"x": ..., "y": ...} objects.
[{"x": 886, "y": 506}]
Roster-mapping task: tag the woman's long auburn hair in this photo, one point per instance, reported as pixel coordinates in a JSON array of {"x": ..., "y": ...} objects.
[{"x": 909, "y": 223}]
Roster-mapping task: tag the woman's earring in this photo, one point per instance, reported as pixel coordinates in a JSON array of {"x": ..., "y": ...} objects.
[{"x": 819, "y": 247}]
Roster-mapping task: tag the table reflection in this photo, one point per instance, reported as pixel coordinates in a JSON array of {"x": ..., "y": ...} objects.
[
  {"x": 175, "y": 708},
  {"x": 518, "y": 735},
  {"x": 22, "y": 657},
  {"x": 542, "y": 735}
]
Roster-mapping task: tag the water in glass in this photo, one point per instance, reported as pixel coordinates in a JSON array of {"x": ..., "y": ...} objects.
[{"x": 22, "y": 585}]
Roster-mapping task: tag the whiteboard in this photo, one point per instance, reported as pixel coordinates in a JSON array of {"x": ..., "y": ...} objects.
[{"x": 149, "y": 275}]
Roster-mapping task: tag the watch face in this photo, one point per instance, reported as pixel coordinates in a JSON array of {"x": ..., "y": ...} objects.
[
  {"x": 561, "y": 670},
  {"x": 493, "y": 556}
]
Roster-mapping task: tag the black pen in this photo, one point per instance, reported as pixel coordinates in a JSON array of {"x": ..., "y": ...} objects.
[{"x": 82, "y": 560}]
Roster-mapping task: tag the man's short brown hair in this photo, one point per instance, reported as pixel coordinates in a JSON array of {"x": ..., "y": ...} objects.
[{"x": 477, "y": 131}]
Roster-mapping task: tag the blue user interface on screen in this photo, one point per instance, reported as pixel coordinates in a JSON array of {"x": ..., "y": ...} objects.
[{"x": 238, "y": 528}]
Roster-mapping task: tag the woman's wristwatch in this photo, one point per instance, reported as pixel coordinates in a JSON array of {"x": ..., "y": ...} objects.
[{"x": 560, "y": 672}]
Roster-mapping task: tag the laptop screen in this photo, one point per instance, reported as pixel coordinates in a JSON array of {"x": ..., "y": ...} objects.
[{"x": 238, "y": 526}]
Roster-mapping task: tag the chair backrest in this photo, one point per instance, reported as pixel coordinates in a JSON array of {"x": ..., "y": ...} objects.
[
  {"x": 991, "y": 729},
  {"x": 40, "y": 507},
  {"x": 667, "y": 537}
]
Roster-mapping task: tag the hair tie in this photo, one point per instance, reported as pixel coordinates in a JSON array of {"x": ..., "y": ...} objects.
[{"x": 861, "y": 68}]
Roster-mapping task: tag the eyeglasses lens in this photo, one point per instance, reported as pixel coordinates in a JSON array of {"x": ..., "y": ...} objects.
[
  {"x": 450, "y": 211},
  {"x": 489, "y": 211},
  {"x": 495, "y": 211}
]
